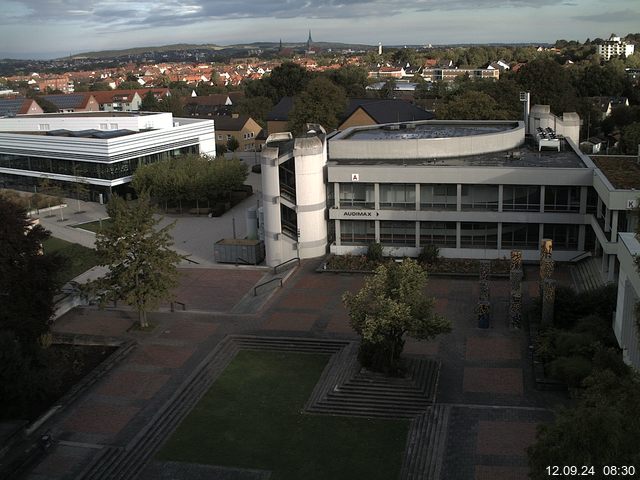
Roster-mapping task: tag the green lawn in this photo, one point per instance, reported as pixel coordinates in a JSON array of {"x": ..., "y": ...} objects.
[
  {"x": 94, "y": 226},
  {"x": 80, "y": 258},
  {"x": 251, "y": 418}
]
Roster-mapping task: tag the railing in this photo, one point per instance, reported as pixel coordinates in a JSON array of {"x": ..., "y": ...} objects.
[
  {"x": 255, "y": 289},
  {"x": 294, "y": 259},
  {"x": 580, "y": 256}
]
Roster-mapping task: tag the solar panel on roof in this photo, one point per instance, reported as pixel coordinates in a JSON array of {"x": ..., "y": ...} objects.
[
  {"x": 10, "y": 106},
  {"x": 65, "y": 101}
]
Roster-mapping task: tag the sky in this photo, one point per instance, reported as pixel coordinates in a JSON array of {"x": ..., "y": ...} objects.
[{"x": 42, "y": 29}]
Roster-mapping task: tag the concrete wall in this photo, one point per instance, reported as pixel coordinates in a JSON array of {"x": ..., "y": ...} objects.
[
  {"x": 568, "y": 125},
  {"x": 624, "y": 325},
  {"x": 79, "y": 121},
  {"x": 345, "y": 148}
]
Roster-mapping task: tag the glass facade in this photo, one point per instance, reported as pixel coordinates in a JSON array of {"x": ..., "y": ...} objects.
[
  {"x": 287, "y": 175},
  {"x": 523, "y": 236},
  {"x": 401, "y": 196},
  {"x": 353, "y": 232},
  {"x": 480, "y": 197},
  {"x": 561, "y": 199},
  {"x": 438, "y": 197},
  {"x": 521, "y": 198},
  {"x": 440, "y": 234},
  {"x": 357, "y": 195},
  {"x": 398, "y": 233},
  {"x": 565, "y": 237},
  {"x": 98, "y": 170},
  {"x": 478, "y": 235}
]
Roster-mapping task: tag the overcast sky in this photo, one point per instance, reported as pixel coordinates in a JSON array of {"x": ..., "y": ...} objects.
[{"x": 54, "y": 28}]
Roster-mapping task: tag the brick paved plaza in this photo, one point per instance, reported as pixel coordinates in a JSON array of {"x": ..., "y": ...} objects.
[{"x": 485, "y": 375}]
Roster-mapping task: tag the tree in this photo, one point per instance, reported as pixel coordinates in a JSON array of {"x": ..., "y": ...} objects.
[
  {"x": 149, "y": 103},
  {"x": 80, "y": 186},
  {"x": 353, "y": 79},
  {"x": 630, "y": 139},
  {"x": 321, "y": 102},
  {"x": 288, "y": 79},
  {"x": 549, "y": 84},
  {"x": 600, "y": 431},
  {"x": 233, "y": 144},
  {"x": 392, "y": 303},
  {"x": 388, "y": 90},
  {"x": 173, "y": 104},
  {"x": 28, "y": 279},
  {"x": 256, "y": 107},
  {"x": 142, "y": 267},
  {"x": 472, "y": 105}
]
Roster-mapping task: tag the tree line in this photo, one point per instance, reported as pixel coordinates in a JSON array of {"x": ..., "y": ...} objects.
[{"x": 192, "y": 179}]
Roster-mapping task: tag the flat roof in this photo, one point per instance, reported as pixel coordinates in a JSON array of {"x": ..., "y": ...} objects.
[
  {"x": 90, "y": 114},
  {"x": 622, "y": 171},
  {"x": 522, "y": 157},
  {"x": 426, "y": 130}
]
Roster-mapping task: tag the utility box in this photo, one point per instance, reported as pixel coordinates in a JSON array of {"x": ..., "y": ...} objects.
[{"x": 239, "y": 251}]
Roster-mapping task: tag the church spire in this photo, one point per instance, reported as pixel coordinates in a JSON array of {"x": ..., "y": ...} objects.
[{"x": 309, "y": 41}]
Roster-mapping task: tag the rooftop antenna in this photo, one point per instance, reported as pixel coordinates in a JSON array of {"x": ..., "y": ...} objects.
[{"x": 525, "y": 98}]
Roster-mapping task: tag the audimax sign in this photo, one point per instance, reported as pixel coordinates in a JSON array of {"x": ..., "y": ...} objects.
[{"x": 359, "y": 213}]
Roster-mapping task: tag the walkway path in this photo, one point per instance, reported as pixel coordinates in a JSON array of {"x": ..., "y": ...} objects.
[{"x": 490, "y": 409}]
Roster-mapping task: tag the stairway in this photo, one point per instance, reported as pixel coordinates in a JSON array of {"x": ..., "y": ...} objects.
[{"x": 586, "y": 274}]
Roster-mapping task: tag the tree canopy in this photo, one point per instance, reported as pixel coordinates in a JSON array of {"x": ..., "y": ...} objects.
[
  {"x": 142, "y": 267},
  {"x": 321, "y": 102},
  {"x": 392, "y": 303},
  {"x": 600, "y": 431}
]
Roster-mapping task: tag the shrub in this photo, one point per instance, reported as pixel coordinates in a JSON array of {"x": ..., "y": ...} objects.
[
  {"x": 574, "y": 343},
  {"x": 571, "y": 306},
  {"x": 374, "y": 252},
  {"x": 570, "y": 370},
  {"x": 429, "y": 254}
]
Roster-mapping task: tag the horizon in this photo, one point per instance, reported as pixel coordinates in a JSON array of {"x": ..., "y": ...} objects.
[{"x": 45, "y": 29}]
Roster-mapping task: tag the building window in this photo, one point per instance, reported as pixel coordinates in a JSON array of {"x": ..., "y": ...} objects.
[
  {"x": 561, "y": 199},
  {"x": 478, "y": 235},
  {"x": 356, "y": 195},
  {"x": 354, "y": 232},
  {"x": 103, "y": 126},
  {"x": 219, "y": 136},
  {"x": 398, "y": 233},
  {"x": 480, "y": 197},
  {"x": 287, "y": 173},
  {"x": 520, "y": 235},
  {"x": 440, "y": 234},
  {"x": 521, "y": 198},
  {"x": 113, "y": 126},
  {"x": 43, "y": 126},
  {"x": 400, "y": 196},
  {"x": 438, "y": 197},
  {"x": 565, "y": 237},
  {"x": 289, "y": 220},
  {"x": 228, "y": 137}
]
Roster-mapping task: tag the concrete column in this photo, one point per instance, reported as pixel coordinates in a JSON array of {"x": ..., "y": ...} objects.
[
  {"x": 337, "y": 232},
  {"x": 500, "y": 200},
  {"x": 500, "y": 236},
  {"x": 612, "y": 268},
  {"x": 271, "y": 206},
  {"x": 377, "y": 231},
  {"x": 607, "y": 220},
  {"x": 599, "y": 207},
  {"x": 459, "y": 198},
  {"x": 542, "y": 194},
  {"x": 583, "y": 200},
  {"x": 540, "y": 233},
  {"x": 417, "y": 197},
  {"x": 582, "y": 231},
  {"x": 614, "y": 226},
  {"x": 458, "y": 231},
  {"x": 417, "y": 234},
  {"x": 336, "y": 194},
  {"x": 376, "y": 198}
]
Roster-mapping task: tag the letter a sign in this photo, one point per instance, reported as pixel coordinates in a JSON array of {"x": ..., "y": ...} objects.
[{"x": 355, "y": 177}]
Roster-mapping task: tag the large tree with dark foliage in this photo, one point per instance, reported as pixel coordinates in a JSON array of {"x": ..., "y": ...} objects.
[
  {"x": 28, "y": 282},
  {"x": 28, "y": 279}
]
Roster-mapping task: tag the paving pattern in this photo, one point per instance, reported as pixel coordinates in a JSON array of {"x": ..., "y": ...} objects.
[{"x": 486, "y": 409}]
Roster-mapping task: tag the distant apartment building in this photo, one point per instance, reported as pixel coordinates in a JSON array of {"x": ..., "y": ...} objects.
[
  {"x": 62, "y": 83},
  {"x": 10, "y": 107},
  {"x": 241, "y": 127},
  {"x": 614, "y": 47}
]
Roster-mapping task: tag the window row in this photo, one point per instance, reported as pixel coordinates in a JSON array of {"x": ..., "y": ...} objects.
[
  {"x": 472, "y": 234},
  {"x": 515, "y": 198},
  {"x": 105, "y": 171}
]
